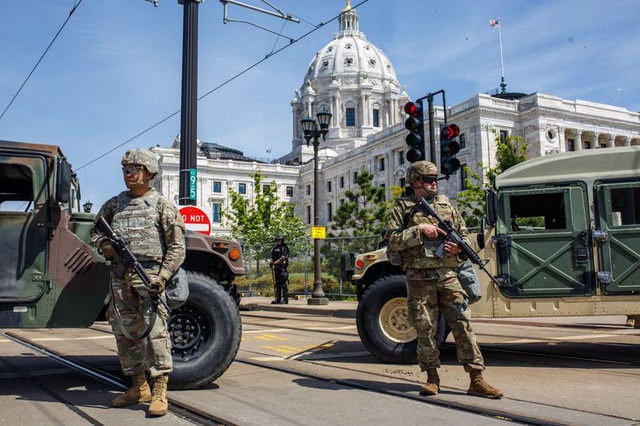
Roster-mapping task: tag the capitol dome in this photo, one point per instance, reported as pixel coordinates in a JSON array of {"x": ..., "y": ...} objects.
[{"x": 353, "y": 80}]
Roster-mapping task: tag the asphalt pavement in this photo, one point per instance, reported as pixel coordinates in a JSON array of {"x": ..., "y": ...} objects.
[{"x": 338, "y": 308}]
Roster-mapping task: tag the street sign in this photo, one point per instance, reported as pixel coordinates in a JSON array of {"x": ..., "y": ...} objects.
[
  {"x": 192, "y": 184},
  {"x": 319, "y": 232},
  {"x": 196, "y": 219}
]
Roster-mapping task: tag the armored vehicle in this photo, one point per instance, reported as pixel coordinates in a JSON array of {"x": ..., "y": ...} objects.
[
  {"x": 51, "y": 277},
  {"x": 562, "y": 238}
]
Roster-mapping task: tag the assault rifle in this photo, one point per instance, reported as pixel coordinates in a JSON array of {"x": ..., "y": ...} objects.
[
  {"x": 454, "y": 236},
  {"x": 127, "y": 258}
]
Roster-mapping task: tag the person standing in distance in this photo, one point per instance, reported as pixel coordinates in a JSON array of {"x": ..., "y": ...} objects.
[
  {"x": 279, "y": 262},
  {"x": 432, "y": 281},
  {"x": 154, "y": 231}
]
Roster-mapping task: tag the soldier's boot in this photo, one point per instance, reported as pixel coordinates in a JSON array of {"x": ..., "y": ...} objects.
[
  {"x": 629, "y": 322},
  {"x": 159, "y": 404},
  {"x": 432, "y": 387},
  {"x": 481, "y": 388},
  {"x": 138, "y": 392}
]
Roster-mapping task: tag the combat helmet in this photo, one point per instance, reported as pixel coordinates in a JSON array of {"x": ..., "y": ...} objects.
[
  {"x": 421, "y": 168},
  {"x": 141, "y": 157},
  {"x": 279, "y": 237}
]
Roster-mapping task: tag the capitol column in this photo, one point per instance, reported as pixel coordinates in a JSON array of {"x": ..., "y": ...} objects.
[{"x": 578, "y": 134}]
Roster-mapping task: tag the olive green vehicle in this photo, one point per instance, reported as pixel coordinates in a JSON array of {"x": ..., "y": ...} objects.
[
  {"x": 562, "y": 237},
  {"x": 51, "y": 277}
]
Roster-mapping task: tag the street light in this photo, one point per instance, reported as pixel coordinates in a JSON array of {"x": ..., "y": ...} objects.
[{"x": 311, "y": 130}]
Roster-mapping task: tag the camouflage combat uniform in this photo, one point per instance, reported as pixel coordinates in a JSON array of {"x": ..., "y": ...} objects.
[
  {"x": 432, "y": 282},
  {"x": 154, "y": 231}
]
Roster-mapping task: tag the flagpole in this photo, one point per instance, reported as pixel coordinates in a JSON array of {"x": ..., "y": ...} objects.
[{"x": 503, "y": 85}]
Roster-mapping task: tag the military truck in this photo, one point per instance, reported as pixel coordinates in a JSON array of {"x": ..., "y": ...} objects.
[
  {"x": 51, "y": 277},
  {"x": 562, "y": 238}
]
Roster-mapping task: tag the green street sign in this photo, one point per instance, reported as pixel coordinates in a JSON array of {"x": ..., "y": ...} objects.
[{"x": 192, "y": 184}]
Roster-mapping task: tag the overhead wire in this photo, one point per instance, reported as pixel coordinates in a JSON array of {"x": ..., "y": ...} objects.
[{"x": 73, "y": 9}]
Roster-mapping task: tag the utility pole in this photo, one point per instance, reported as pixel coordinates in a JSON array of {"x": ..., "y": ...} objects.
[{"x": 187, "y": 194}]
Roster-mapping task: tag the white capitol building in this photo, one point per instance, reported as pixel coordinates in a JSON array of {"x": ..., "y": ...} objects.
[{"x": 355, "y": 81}]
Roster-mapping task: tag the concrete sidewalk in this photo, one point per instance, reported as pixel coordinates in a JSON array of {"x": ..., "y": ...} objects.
[
  {"x": 347, "y": 309},
  {"x": 337, "y": 308}
]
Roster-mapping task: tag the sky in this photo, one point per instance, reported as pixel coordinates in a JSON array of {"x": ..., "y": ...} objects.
[{"x": 111, "y": 80}]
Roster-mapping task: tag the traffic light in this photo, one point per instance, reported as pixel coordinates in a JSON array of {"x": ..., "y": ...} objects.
[
  {"x": 449, "y": 147},
  {"x": 415, "y": 138}
]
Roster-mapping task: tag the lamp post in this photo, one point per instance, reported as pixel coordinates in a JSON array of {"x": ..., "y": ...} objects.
[{"x": 313, "y": 130}]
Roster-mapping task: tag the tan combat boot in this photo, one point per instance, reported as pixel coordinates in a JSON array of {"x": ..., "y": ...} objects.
[
  {"x": 138, "y": 392},
  {"x": 432, "y": 387},
  {"x": 630, "y": 321},
  {"x": 481, "y": 388},
  {"x": 159, "y": 404}
]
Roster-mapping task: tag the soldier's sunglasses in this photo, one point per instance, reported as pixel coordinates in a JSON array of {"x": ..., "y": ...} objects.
[
  {"x": 429, "y": 179},
  {"x": 131, "y": 169}
]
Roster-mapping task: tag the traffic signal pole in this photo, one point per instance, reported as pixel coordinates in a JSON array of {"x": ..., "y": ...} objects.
[
  {"x": 187, "y": 194},
  {"x": 432, "y": 122}
]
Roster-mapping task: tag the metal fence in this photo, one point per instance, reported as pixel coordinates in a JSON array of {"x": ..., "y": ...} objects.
[{"x": 301, "y": 263}]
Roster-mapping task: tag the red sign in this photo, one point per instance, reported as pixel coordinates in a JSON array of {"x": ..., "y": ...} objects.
[{"x": 196, "y": 219}]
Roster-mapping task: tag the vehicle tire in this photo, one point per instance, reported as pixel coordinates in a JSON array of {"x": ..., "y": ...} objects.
[
  {"x": 382, "y": 321},
  {"x": 205, "y": 334}
]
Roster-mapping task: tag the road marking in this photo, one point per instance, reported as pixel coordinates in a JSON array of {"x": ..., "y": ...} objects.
[
  {"x": 275, "y": 330},
  {"x": 271, "y": 337}
]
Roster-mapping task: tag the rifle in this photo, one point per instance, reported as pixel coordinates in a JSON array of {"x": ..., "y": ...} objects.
[
  {"x": 127, "y": 258},
  {"x": 454, "y": 236}
]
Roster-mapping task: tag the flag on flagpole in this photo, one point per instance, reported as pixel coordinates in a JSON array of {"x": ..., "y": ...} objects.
[{"x": 495, "y": 23}]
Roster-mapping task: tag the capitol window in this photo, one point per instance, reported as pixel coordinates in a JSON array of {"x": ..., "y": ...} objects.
[{"x": 350, "y": 117}]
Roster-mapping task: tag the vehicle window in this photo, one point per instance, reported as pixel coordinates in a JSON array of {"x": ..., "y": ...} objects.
[
  {"x": 537, "y": 212},
  {"x": 625, "y": 206},
  {"x": 16, "y": 185}
]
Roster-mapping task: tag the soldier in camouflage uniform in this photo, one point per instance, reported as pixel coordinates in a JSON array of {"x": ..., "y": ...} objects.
[
  {"x": 154, "y": 231},
  {"x": 432, "y": 281}
]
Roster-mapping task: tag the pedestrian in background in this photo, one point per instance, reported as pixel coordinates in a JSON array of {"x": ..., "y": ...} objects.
[
  {"x": 432, "y": 281},
  {"x": 279, "y": 263},
  {"x": 154, "y": 231}
]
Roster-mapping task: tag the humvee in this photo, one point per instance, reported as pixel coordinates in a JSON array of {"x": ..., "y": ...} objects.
[
  {"x": 562, "y": 237},
  {"x": 51, "y": 278}
]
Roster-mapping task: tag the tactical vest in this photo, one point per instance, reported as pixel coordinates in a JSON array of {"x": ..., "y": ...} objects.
[
  {"x": 138, "y": 221},
  {"x": 423, "y": 256}
]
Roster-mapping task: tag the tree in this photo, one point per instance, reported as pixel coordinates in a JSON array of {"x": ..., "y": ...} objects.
[
  {"x": 363, "y": 214},
  {"x": 509, "y": 152},
  {"x": 257, "y": 222}
]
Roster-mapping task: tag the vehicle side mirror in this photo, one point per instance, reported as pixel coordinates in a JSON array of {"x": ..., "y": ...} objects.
[
  {"x": 490, "y": 207},
  {"x": 63, "y": 182}
]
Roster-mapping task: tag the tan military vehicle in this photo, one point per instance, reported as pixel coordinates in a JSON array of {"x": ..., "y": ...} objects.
[{"x": 562, "y": 238}]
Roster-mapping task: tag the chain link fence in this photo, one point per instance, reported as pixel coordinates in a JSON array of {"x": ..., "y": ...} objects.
[{"x": 260, "y": 280}]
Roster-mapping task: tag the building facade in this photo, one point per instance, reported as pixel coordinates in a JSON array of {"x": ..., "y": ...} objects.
[{"x": 355, "y": 81}]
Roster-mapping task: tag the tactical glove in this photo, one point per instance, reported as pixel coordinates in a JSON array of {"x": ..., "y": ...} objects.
[
  {"x": 108, "y": 251},
  {"x": 157, "y": 286}
]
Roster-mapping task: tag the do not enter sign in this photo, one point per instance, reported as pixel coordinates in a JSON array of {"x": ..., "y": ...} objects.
[{"x": 196, "y": 219}]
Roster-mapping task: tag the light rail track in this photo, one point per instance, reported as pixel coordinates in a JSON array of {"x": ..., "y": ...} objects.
[
  {"x": 349, "y": 374},
  {"x": 178, "y": 408}
]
